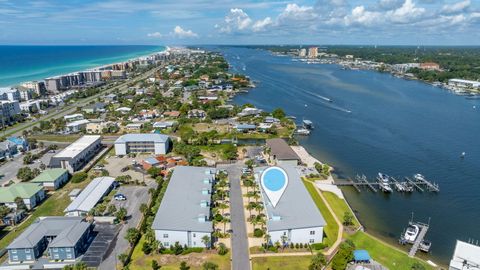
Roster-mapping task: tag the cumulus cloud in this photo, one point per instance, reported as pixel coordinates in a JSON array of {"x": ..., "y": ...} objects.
[
  {"x": 294, "y": 12},
  {"x": 456, "y": 7},
  {"x": 408, "y": 12},
  {"x": 362, "y": 16},
  {"x": 155, "y": 35},
  {"x": 261, "y": 25},
  {"x": 236, "y": 20},
  {"x": 179, "y": 32}
]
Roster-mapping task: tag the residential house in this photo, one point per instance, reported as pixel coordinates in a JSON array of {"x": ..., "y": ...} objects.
[
  {"x": 98, "y": 107},
  {"x": 245, "y": 127},
  {"x": 90, "y": 196},
  {"x": 8, "y": 150},
  {"x": 31, "y": 193},
  {"x": 20, "y": 142},
  {"x": 52, "y": 179},
  {"x": 172, "y": 114},
  {"x": 76, "y": 126},
  {"x": 164, "y": 124},
  {"x": 196, "y": 113},
  {"x": 134, "y": 126},
  {"x": 66, "y": 238},
  {"x": 123, "y": 110},
  {"x": 73, "y": 117},
  {"x": 282, "y": 153}
]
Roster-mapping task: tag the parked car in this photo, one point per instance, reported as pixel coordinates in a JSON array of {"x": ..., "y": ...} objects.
[
  {"x": 124, "y": 169},
  {"x": 120, "y": 197}
]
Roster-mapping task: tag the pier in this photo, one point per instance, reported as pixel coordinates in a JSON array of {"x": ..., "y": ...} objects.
[
  {"x": 407, "y": 186},
  {"x": 419, "y": 243}
]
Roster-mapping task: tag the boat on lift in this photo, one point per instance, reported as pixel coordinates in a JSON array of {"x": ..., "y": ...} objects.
[
  {"x": 384, "y": 182},
  {"x": 307, "y": 124},
  {"x": 411, "y": 233}
]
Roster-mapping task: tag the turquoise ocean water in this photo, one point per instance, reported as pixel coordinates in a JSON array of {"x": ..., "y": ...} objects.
[{"x": 25, "y": 63}]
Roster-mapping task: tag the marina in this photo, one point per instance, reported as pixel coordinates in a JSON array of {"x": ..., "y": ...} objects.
[{"x": 385, "y": 183}]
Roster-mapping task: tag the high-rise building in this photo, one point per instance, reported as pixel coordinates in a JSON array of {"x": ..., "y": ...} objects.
[
  {"x": 302, "y": 52},
  {"x": 313, "y": 52}
]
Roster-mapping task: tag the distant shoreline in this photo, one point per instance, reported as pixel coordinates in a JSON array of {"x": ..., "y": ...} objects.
[{"x": 39, "y": 75}]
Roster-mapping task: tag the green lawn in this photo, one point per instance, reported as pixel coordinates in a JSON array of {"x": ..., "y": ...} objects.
[
  {"x": 140, "y": 261},
  {"x": 56, "y": 138},
  {"x": 284, "y": 262},
  {"x": 384, "y": 254},
  {"x": 338, "y": 206},
  {"x": 331, "y": 230}
]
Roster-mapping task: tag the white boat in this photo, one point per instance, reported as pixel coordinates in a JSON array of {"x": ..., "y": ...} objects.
[
  {"x": 419, "y": 177},
  {"x": 412, "y": 233},
  {"x": 302, "y": 131},
  {"x": 384, "y": 182}
]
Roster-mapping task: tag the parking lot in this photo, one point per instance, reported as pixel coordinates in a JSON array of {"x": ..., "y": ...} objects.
[{"x": 136, "y": 195}]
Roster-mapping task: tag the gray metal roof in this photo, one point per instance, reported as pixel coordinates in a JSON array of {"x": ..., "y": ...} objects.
[
  {"x": 296, "y": 207},
  {"x": 181, "y": 204},
  {"x": 91, "y": 194},
  {"x": 281, "y": 149},
  {"x": 142, "y": 137},
  {"x": 66, "y": 229}
]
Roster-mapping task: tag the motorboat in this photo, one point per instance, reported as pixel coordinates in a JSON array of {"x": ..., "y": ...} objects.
[
  {"x": 412, "y": 233},
  {"x": 307, "y": 124},
  {"x": 384, "y": 182}
]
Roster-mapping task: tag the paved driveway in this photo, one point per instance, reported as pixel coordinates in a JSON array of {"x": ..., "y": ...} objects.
[
  {"x": 136, "y": 195},
  {"x": 240, "y": 252}
]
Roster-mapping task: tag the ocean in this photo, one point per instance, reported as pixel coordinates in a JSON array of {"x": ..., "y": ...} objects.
[
  {"x": 379, "y": 123},
  {"x": 24, "y": 63}
]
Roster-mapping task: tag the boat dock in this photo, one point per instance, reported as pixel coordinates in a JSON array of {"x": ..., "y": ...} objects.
[
  {"x": 406, "y": 186},
  {"x": 419, "y": 243}
]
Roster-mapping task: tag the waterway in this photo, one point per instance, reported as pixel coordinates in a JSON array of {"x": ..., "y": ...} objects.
[{"x": 379, "y": 123}]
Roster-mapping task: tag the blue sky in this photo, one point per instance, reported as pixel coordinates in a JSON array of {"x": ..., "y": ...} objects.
[{"x": 396, "y": 22}]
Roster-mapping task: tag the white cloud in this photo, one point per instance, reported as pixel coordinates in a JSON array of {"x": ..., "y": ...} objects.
[
  {"x": 155, "y": 35},
  {"x": 296, "y": 12},
  {"x": 179, "y": 32},
  {"x": 260, "y": 25},
  {"x": 236, "y": 20},
  {"x": 456, "y": 7},
  {"x": 362, "y": 16},
  {"x": 407, "y": 13}
]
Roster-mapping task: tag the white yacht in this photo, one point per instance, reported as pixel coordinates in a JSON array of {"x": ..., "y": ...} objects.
[
  {"x": 412, "y": 233},
  {"x": 384, "y": 182}
]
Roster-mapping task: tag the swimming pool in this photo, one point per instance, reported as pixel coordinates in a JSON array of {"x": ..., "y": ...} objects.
[{"x": 274, "y": 178}]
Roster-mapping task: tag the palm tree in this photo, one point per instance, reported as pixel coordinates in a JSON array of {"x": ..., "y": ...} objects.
[
  {"x": 267, "y": 239},
  {"x": 206, "y": 241}
]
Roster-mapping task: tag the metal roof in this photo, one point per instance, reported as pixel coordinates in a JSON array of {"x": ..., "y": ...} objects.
[
  {"x": 296, "y": 208},
  {"x": 281, "y": 149},
  {"x": 465, "y": 252},
  {"x": 142, "y": 137},
  {"x": 181, "y": 208},
  {"x": 78, "y": 146},
  {"x": 22, "y": 190},
  {"x": 50, "y": 175},
  {"x": 66, "y": 229},
  {"x": 91, "y": 195}
]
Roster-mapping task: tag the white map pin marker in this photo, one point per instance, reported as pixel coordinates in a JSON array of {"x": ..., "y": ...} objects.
[{"x": 274, "y": 181}]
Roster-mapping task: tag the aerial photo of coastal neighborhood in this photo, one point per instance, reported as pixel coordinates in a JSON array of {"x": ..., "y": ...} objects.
[{"x": 243, "y": 135}]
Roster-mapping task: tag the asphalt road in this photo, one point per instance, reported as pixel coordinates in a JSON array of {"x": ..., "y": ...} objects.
[
  {"x": 240, "y": 252},
  {"x": 17, "y": 130}
]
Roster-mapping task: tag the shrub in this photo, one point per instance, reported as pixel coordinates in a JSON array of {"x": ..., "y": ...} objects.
[
  {"x": 79, "y": 177},
  {"x": 222, "y": 249},
  {"x": 297, "y": 246},
  {"x": 319, "y": 246},
  {"x": 258, "y": 232},
  {"x": 192, "y": 250},
  {"x": 273, "y": 248}
]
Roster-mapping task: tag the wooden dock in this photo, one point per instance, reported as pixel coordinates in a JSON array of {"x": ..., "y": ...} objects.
[{"x": 414, "y": 184}]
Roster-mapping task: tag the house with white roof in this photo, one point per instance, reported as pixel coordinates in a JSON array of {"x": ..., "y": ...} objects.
[
  {"x": 90, "y": 196},
  {"x": 184, "y": 213}
]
